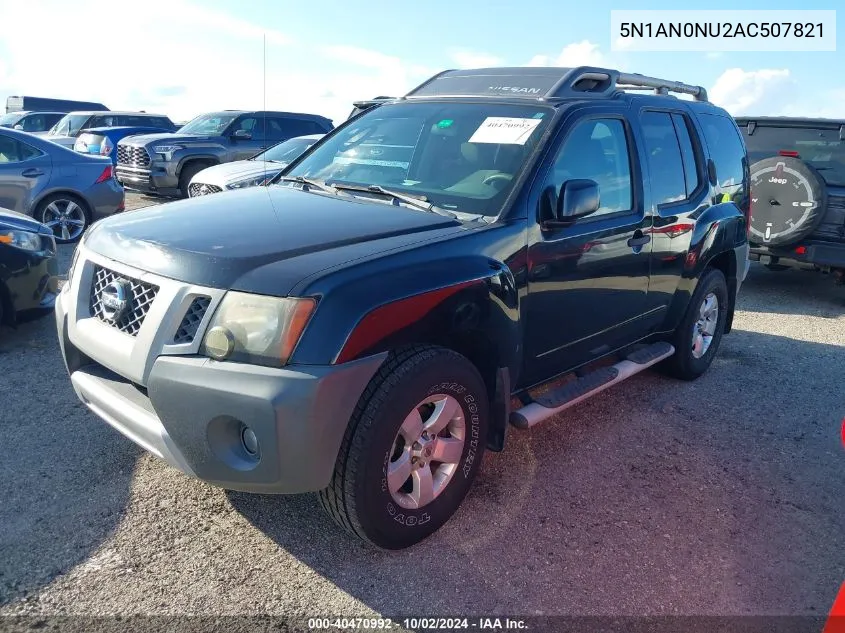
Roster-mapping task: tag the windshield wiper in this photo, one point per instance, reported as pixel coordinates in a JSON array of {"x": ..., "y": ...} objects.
[
  {"x": 307, "y": 182},
  {"x": 418, "y": 202}
]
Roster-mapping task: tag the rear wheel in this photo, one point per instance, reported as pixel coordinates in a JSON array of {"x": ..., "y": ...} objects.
[
  {"x": 188, "y": 172},
  {"x": 698, "y": 336},
  {"x": 411, "y": 450},
  {"x": 65, "y": 214}
]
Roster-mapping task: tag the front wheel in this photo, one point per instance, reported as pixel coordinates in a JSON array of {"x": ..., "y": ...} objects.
[
  {"x": 411, "y": 450},
  {"x": 698, "y": 336}
]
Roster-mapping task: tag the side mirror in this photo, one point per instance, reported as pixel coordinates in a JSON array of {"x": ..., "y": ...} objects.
[
  {"x": 242, "y": 135},
  {"x": 19, "y": 127},
  {"x": 577, "y": 199}
]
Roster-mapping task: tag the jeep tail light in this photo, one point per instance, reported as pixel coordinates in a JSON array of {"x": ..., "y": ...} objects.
[
  {"x": 801, "y": 250},
  {"x": 108, "y": 172},
  {"x": 789, "y": 153}
]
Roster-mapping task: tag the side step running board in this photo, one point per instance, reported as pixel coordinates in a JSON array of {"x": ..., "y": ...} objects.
[{"x": 579, "y": 390}]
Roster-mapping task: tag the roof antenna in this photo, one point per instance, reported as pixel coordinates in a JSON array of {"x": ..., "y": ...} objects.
[{"x": 264, "y": 105}]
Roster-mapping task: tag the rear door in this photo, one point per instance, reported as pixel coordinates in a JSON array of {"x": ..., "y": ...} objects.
[
  {"x": 677, "y": 186},
  {"x": 24, "y": 171}
]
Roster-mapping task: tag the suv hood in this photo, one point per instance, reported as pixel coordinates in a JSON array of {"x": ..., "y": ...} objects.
[
  {"x": 216, "y": 240},
  {"x": 170, "y": 137},
  {"x": 223, "y": 174}
]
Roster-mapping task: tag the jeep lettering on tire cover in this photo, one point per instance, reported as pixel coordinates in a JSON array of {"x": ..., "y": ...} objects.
[{"x": 787, "y": 200}]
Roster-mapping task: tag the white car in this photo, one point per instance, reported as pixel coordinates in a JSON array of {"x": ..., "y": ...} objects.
[{"x": 252, "y": 172}]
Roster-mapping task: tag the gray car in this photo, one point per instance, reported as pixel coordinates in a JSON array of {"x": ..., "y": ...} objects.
[{"x": 61, "y": 188}]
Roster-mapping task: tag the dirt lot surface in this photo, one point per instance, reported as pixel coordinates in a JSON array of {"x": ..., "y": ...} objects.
[{"x": 721, "y": 496}]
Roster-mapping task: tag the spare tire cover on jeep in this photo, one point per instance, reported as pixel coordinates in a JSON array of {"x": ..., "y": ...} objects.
[{"x": 788, "y": 199}]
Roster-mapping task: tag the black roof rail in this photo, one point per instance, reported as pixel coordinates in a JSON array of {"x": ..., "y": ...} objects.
[
  {"x": 660, "y": 86},
  {"x": 545, "y": 83}
]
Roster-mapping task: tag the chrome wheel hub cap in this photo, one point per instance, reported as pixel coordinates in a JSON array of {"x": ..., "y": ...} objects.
[
  {"x": 65, "y": 218},
  {"x": 426, "y": 451},
  {"x": 705, "y": 327}
]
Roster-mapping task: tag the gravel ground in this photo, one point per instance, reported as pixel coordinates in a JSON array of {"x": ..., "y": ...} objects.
[{"x": 722, "y": 496}]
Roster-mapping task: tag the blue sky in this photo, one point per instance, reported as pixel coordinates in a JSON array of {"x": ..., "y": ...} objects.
[{"x": 183, "y": 57}]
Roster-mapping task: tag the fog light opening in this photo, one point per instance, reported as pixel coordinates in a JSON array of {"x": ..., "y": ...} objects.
[{"x": 249, "y": 441}]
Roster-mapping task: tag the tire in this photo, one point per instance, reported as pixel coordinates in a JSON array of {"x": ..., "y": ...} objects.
[
  {"x": 686, "y": 363},
  {"x": 360, "y": 497},
  {"x": 66, "y": 214},
  {"x": 189, "y": 171},
  {"x": 782, "y": 188}
]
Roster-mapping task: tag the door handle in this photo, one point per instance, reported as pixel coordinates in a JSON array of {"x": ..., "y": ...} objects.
[
  {"x": 639, "y": 239},
  {"x": 32, "y": 172}
]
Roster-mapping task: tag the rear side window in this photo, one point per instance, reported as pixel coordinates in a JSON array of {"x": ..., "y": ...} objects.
[
  {"x": 727, "y": 151},
  {"x": 13, "y": 151},
  {"x": 289, "y": 128},
  {"x": 691, "y": 171},
  {"x": 665, "y": 161}
]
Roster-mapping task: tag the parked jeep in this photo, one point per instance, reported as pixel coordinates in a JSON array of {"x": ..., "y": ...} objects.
[
  {"x": 798, "y": 193},
  {"x": 367, "y": 329},
  {"x": 166, "y": 163}
]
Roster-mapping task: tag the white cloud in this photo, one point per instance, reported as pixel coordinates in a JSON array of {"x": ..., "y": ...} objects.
[
  {"x": 194, "y": 61},
  {"x": 752, "y": 91},
  {"x": 583, "y": 53},
  {"x": 473, "y": 59}
]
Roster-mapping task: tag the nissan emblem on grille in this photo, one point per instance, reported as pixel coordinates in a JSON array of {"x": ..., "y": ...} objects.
[
  {"x": 115, "y": 298},
  {"x": 120, "y": 300}
]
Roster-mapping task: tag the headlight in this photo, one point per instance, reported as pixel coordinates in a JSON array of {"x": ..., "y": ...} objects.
[
  {"x": 255, "y": 181},
  {"x": 21, "y": 239},
  {"x": 166, "y": 150},
  {"x": 256, "y": 329}
]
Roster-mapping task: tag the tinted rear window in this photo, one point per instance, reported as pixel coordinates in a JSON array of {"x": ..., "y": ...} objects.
[
  {"x": 727, "y": 151},
  {"x": 821, "y": 148}
]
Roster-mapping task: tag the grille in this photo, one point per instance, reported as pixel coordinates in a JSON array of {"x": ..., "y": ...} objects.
[
  {"x": 134, "y": 156},
  {"x": 191, "y": 321},
  {"x": 139, "y": 296},
  {"x": 200, "y": 189}
]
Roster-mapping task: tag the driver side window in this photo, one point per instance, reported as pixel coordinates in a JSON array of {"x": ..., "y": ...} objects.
[{"x": 597, "y": 149}]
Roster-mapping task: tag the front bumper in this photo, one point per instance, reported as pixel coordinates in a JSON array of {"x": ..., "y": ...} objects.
[
  {"x": 159, "y": 177},
  {"x": 33, "y": 283},
  {"x": 823, "y": 255},
  {"x": 190, "y": 410}
]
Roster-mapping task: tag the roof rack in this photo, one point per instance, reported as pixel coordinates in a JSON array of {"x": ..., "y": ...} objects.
[{"x": 546, "y": 83}]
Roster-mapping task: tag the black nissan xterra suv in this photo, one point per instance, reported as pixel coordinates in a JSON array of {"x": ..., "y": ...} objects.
[
  {"x": 370, "y": 323},
  {"x": 797, "y": 193}
]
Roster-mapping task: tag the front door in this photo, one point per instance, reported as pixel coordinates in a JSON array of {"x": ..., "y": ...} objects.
[
  {"x": 587, "y": 283},
  {"x": 255, "y": 140}
]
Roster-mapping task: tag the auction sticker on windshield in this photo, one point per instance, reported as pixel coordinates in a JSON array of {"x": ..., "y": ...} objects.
[{"x": 502, "y": 129}]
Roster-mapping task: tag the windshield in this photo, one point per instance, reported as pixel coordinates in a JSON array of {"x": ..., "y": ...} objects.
[
  {"x": 286, "y": 151},
  {"x": 69, "y": 125},
  {"x": 11, "y": 118},
  {"x": 460, "y": 156},
  {"x": 208, "y": 124},
  {"x": 821, "y": 148}
]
